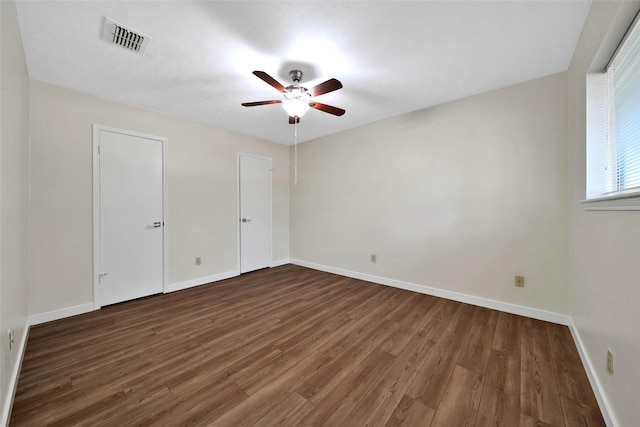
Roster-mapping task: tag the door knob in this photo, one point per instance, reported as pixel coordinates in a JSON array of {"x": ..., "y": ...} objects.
[
  {"x": 246, "y": 220},
  {"x": 157, "y": 224}
]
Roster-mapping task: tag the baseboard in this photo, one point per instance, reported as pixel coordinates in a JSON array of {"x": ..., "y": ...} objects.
[
  {"x": 603, "y": 402},
  {"x": 61, "y": 313},
  {"x": 85, "y": 308},
  {"x": 13, "y": 379},
  {"x": 534, "y": 313},
  {"x": 201, "y": 281},
  {"x": 280, "y": 262}
]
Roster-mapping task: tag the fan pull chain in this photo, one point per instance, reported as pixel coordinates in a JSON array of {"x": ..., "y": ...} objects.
[{"x": 295, "y": 152}]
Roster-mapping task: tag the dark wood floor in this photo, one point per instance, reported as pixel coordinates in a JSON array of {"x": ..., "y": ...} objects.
[{"x": 291, "y": 346}]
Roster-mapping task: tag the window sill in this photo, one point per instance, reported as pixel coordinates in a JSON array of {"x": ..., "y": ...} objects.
[{"x": 617, "y": 202}]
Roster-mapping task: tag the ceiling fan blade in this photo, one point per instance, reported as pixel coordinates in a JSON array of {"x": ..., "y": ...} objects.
[
  {"x": 267, "y": 78},
  {"x": 294, "y": 120},
  {"x": 255, "y": 104},
  {"x": 326, "y": 87},
  {"x": 327, "y": 108}
]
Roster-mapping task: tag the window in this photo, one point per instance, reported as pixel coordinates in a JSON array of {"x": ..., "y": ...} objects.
[{"x": 613, "y": 134}]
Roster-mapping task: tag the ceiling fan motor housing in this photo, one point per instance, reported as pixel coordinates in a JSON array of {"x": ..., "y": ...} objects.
[
  {"x": 297, "y": 92},
  {"x": 296, "y": 75}
]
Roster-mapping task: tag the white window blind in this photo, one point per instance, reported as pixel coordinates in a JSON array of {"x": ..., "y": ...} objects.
[{"x": 613, "y": 151}]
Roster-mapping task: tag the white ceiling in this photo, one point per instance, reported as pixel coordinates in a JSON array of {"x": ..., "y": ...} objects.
[{"x": 392, "y": 57}]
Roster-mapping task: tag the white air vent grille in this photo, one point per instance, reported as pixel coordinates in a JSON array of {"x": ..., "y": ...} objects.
[{"x": 116, "y": 33}]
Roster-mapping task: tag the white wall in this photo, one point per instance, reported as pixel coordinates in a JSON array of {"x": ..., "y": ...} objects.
[
  {"x": 14, "y": 166},
  {"x": 461, "y": 197},
  {"x": 202, "y": 187},
  {"x": 605, "y": 255}
]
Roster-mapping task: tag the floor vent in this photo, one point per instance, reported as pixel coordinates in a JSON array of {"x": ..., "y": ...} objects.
[{"x": 116, "y": 33}]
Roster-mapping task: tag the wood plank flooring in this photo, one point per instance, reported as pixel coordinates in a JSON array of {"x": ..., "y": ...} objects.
[{"x": 290, "y": 346}]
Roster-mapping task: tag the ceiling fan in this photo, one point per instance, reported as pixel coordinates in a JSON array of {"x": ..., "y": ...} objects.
[{"x": 298, "y": 99}]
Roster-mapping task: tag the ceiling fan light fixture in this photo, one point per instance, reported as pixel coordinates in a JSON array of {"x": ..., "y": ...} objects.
[
  {"x": 295, "y": 107},
  {"x": 296, "y": 101}
]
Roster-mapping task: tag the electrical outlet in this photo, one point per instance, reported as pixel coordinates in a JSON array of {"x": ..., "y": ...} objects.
[
  {"x": 610, "y": 361},
  {"x": 198, "y": 260},
  {"x": 11, "y": 338},
  {"x": 519, "y": 281},
  {"x": 374, "y": 258}
]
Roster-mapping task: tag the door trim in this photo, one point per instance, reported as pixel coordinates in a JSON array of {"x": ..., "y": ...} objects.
[
  {"x": 238, "y": 213},
  {"x": 96, "y": 128}
]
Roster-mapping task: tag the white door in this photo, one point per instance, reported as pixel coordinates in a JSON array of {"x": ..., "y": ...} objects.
[
  {"x": 130, "y": 216},
  {"x": 255, "y": 212}
]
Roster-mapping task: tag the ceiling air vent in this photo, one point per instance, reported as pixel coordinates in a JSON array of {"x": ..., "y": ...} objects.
[{"x": 116, "y": 33}]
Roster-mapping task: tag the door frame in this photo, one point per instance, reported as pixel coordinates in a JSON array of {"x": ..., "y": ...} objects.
[
  {"x": 96, "y": 128},
  {"x": 238, "y": 213}
]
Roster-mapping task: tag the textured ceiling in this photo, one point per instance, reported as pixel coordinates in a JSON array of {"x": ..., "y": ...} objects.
[{"x": 392, "y": 57}]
